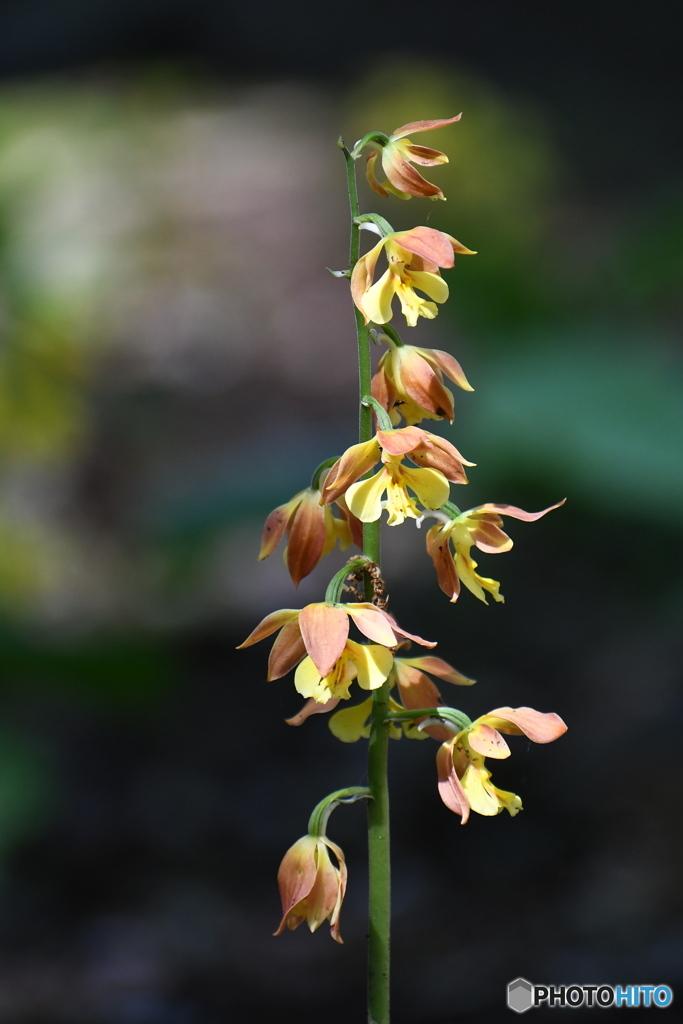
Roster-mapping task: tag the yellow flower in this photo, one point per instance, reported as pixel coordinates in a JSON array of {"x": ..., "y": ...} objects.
[
  {"x": 311, "y": 887},
  {"x": 480, "y": 526},
  {"x": 414, "y": 259},
  {"x": 409, "y": 383},
  {"x": 403, "y": 180},
  {"x": 464, "y": 780},
  {"x": 438, "y": 460},
  {"x": 311, "y": 529},
  {"x": 321, "y": 631}
]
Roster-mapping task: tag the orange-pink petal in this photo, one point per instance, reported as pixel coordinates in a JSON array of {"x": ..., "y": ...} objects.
[
  {"x": 371, "y": 176},
  {"x": 539, "y": 726},
  {"x": 410, "y": 636},
  {"x": 489, "y": 537},
  {"x": 354, "y": 524},
  {"x": 271, "y": 623},
  {"x": 423, "y": 155},
  {"x": 372, "y": 623},
  {"x": 423, "y": 385},
  {"x": 448, "y": 365},
  {"x": 296, "y": 878},
  {"x": 399, "y": 442},
  {"x": 432, "y": 245},
  {"x": 364, "y": 272},
  {"x": 307, "y": 535},
  {"x": 440, "y": 668},
  {"x": 418, "y": 691},
  {"x": 459, "y": 249},
  {"x": 325, "y": 629},
  {"x": 436, "y": 452},
  {"x": 422, "y": 126},
  {"x": 275, "y": 525},
  {"x": 404, "y": 177},
  {"x": 517, "y": 513},
  {"x": 353, "y": 464},
  {"x": 312, "y": 707},
  {"x": 487, "y": 741},
  {"x": 438, "y": 549},
  {"x": 287, "y": 651},
  {"x": 450, "y": 788}
]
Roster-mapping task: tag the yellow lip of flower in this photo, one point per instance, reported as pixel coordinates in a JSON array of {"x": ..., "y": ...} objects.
[
  {"x": 321, "y": 630},
  {"x": 312, "y": 532},
  {"x": 409, "y": 383},
  {"x": 429, "y": 451},
  {"x": 414, "y": 259},
  {"x": 438, "y": 462},
  {"x": 365, "y": 497},
  {"x": 370, "y": 664},
  {"x": 399, "y": 154},
  {"x": 480, "y": 526},
  {"x": 464, "y": 780},
  {"x": 311, "y": 887}
]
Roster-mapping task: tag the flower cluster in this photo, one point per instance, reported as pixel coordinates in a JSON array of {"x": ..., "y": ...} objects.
[{"x": 407, "y": 472}]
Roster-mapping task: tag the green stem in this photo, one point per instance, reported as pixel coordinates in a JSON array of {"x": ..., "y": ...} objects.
[
  {"x": 317, "y": 823},
  {"x": 447, "y": 715},
  {"x": 380, "y": 223},
  {"x": 392, "y": 333},
  {"x": 336, "y": 585},
  {"x": 383, "y": 418},
  {"x": 379, "y": 867},
  {"x": 450, "y": 509}
]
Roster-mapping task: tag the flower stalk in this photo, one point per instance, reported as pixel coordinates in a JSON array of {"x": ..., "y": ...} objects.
[
  {"x": 379, "y": 840},
  {"x": 344, "y": 504},
  {"x": 317, "y": 823}
]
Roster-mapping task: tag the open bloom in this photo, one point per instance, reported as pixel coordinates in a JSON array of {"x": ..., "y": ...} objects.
[
  {"x": 311, "y": 887},
  {"x": 409, "y": 383},
  {"x": 480, "y": 526},
  {"x": 397, "y": 156},
  {"x": 370, "y": 664},
  {"x": 318, "y": 634},
  {"x": 438, "y": 461},
  {"x": 465, "y": 782},
  {"x": 414, "y": 259},
  {"x": 311, "y": 529},
  {"x": 416, "y": 690}
]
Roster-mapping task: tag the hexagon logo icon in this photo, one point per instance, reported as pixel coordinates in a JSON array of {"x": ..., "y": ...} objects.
[{"x": 520, "y": 995}]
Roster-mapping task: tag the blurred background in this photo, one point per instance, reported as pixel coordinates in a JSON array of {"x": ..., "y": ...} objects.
[{"x": 174, "y": 362}]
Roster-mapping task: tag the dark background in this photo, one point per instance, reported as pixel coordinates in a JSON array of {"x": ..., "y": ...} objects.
[{"x": 175, "y": 361}]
